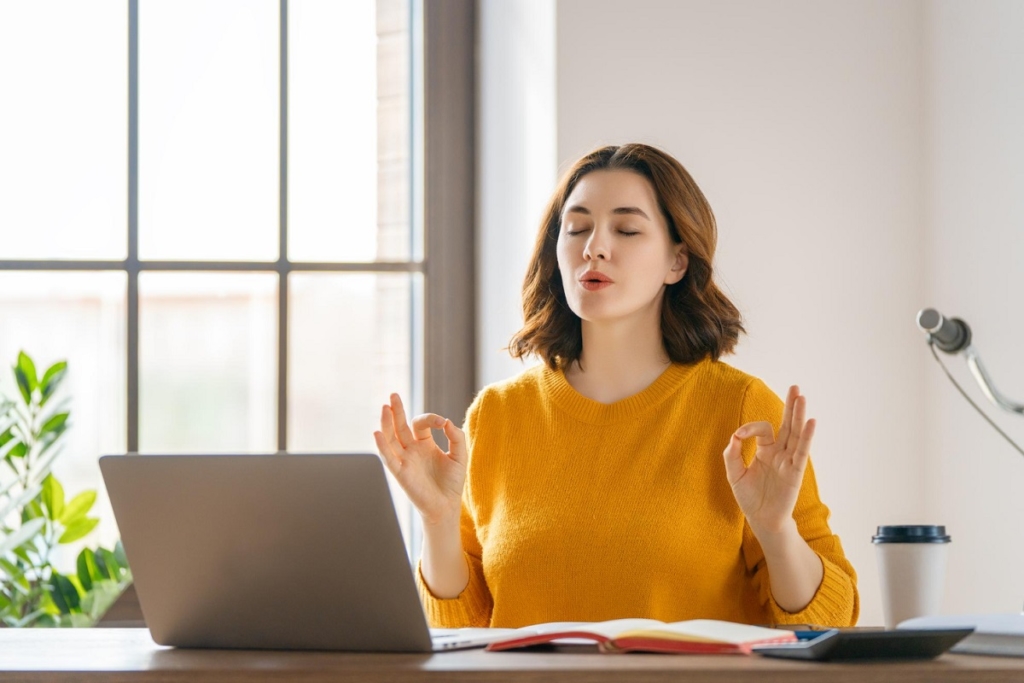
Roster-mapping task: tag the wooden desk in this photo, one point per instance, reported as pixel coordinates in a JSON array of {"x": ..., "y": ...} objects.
[{"x": 102, "y": 655}]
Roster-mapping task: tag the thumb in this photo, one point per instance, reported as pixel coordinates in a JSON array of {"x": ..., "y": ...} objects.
[
  {"x": 456, "y": 443},
  {"x": 734, "y": 466}
]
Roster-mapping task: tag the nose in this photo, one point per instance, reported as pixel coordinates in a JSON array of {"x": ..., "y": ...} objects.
[{"x": 596, "y": 247}]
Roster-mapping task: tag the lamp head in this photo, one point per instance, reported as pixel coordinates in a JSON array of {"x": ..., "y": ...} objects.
[{"x": 951, "y": 335}]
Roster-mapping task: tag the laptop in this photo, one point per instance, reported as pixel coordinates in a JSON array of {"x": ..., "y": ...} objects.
[{"x": 298, "y": 552}]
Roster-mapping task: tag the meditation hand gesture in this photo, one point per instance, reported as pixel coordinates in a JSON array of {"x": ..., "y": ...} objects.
[
  {"x": 767, "y": 489},
  {"x": 431, "y": 478}
]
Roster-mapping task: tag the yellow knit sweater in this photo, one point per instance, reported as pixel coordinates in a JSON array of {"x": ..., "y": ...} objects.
[{"x": 576, "y": 510}]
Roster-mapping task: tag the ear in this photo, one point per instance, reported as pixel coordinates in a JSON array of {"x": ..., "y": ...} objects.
[{"x": 679, "y": 265}]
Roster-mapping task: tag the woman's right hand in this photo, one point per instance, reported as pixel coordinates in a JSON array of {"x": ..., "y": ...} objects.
[{"x": 431, "y": 478}]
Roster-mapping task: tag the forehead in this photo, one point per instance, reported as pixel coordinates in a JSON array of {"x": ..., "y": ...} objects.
[{"x": 610, "y": 189}]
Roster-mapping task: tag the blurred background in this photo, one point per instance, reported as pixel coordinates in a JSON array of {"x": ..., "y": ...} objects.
[{"x": 864, "y": 158}]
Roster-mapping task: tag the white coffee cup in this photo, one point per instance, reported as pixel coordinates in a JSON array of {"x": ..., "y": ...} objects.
[{"x": 912, "y": 570}]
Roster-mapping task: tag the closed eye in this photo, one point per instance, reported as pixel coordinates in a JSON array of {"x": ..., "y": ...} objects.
[{"x": 624, "y": 233}]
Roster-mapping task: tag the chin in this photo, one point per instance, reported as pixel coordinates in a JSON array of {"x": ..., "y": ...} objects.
[{"x": 597, "y": 314}]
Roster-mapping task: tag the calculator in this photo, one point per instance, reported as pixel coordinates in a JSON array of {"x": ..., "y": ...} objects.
[{"x": 847, "y": 644}]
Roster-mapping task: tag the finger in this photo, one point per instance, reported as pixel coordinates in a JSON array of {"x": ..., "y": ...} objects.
[
  {"x": 763, "y": 431},
  {"x": 422, "y": 424},
  {"x": 796, "y": 427},
  {"x": 802, "y": 452},
  {"x": 787, "y": 414},
  {"x": 734, "y": 466},
  {"x": 456, "y": 443},
  {"x": 387, "y": 427},
  {"x": 405, "y": 435},
  {"x": 391, "y": 461}
]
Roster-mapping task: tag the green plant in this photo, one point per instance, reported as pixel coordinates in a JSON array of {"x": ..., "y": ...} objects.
[{"x": 35, "y": 516}]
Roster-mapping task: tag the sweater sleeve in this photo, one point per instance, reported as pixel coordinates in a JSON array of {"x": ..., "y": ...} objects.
[
  {"x": 836, "y": 602},
  {"x": 473, "y": 606}
]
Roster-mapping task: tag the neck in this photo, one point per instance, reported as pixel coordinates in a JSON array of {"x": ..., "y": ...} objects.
[{"x": 620, "y": 358}]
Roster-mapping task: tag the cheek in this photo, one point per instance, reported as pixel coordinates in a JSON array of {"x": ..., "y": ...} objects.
[
  {"x": 668, "y": 257},
  {"x": 564, "y": 256},
  {"x": 565, "y": 268}
]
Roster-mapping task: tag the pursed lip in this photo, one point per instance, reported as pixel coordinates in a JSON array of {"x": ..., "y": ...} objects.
[{"x": 595, "y": 276}]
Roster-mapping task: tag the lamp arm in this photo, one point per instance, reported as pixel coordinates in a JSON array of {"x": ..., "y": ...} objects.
[{"x": 985, "y": 382}]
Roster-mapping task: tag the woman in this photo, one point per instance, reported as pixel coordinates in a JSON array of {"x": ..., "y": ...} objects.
[{"x": 595, "y": 486}]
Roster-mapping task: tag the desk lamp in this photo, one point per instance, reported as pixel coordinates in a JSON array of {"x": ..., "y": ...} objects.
[{"x": 953, "y": 336}]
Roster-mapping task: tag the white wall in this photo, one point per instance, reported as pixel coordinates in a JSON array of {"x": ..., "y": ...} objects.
[
  {"x": 864, "y": 159},
  {"x": 975, "y": 199}
]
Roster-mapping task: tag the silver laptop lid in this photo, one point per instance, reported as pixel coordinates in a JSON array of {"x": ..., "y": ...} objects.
[{"x": 266, "y": 551}]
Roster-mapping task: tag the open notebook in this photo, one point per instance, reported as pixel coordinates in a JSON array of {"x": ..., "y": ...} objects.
[{"x": 697, "y": 636}]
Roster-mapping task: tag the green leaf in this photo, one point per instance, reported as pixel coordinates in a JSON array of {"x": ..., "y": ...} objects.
[
  {"x": 18, "y": 451},
  {"x": 54, "y": 424},
  {"x": 78, "y": 507},
  {"x": 25, "y": 373},
  {"x": 77, "y": 530},
  {"x": 87, "y": 569},
  {"x": 23, "y": 586},
  {"x": 51, "y": 380},
  {"x": 53, "y": 497},
  {"x": 32, "y": 510},
  {"x": 47, "y": 604},
  {"x": 10, "y": 569},
  {"x": 101, "y": 565},
  {"x": 37, "y": 618},
  {"x": 109, "y": 565},
  {"x": 52, "y": 429},
  {"x": 77, "y": 620},
  {"x": 64, "y": 593},
  {"x": 73, "y": 578},
  {"x": 112, "y": 561},
  {"x": 28, "y": 366},
  {"x": 23, "y": 385},
  {"x": 119, "y": 555},
  {"x": 103, "y": 595},
  {"x": 15, "y": 579},
  {"x": 23, "y": 554}
]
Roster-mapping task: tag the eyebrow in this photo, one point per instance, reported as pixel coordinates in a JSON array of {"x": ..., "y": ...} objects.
[{"x": 622, "y": 210}]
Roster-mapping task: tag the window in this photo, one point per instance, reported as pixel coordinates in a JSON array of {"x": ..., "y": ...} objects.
[{"x": 222, "y": 217}]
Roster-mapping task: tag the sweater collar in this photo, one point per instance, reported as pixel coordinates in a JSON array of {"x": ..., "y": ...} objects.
[{"x": 588, "y": 410}]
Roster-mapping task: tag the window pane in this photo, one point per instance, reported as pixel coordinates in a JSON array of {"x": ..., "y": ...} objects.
[
  {"x": 350, "y": 347},
  {"x": 63, "y": 129},
  {"x": 80, "y": 318},
  {"x": 207, "y": 362},
  {"x": 208, "y": 129},
  {"x": 348, "y": 130}
]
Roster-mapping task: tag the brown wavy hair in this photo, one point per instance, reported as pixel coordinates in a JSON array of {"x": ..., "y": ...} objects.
[{"x": 697, "y": 319}]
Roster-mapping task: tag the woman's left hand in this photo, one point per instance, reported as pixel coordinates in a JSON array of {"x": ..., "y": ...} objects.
[{"x": 767, "y": 489}]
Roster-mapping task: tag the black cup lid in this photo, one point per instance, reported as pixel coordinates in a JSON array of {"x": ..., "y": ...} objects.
[{"x": 911, "y": 533}]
